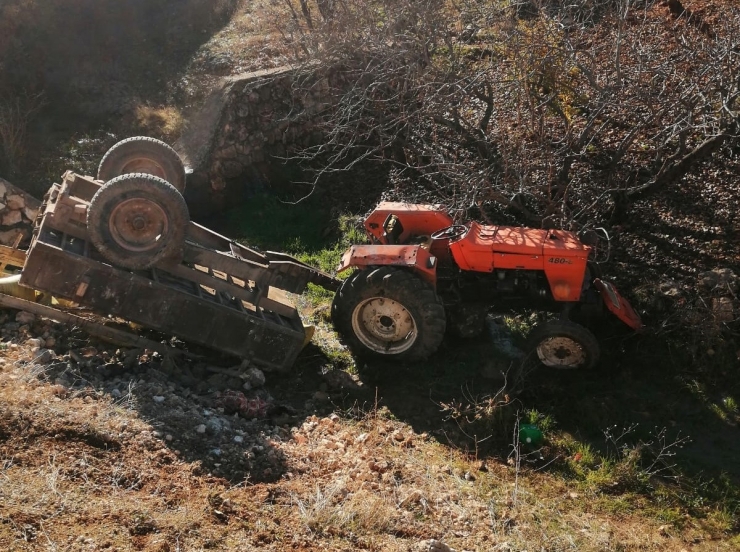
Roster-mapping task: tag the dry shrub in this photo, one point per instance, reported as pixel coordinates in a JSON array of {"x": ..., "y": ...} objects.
[
  {"x": 163, "y": 122},
  {"x": 369, "y": 513},
  {"x": 333, "y": 510},
  {"x": 563, "y": 118},
  {"x": 16, "y": 114}
]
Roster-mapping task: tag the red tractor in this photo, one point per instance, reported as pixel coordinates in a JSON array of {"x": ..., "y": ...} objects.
[{"x": 423, "y": 275}]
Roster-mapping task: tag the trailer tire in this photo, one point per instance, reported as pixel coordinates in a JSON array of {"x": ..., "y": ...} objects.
[
  {"x": 138, "y": 220},
  {"x": 142, "y": 154},
  {"x": 387, "y": 312},
  {"x": 562, "y": 344}
]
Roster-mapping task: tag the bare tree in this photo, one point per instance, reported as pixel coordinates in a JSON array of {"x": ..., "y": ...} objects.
[
  {"x": 16, "y": 112},
  {"x": 563, "y": 116}
]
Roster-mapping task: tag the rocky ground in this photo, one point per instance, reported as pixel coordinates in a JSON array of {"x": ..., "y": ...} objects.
[{"x": 110, "y": 449}]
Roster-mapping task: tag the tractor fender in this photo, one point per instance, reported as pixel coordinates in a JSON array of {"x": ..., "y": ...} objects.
[
  {"x": 618, "y": 305},
  {"x": 413, "y": 257}
]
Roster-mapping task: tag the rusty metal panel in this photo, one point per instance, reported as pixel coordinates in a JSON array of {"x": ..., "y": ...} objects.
[
  {"x": 222, "y": 295},
  {"x": 417, "y": 219},
  {"x": 246, "y": 270},
  {"x": 172, "y": 305},
  {"x": 276, "y": 347},
  {"x": 411, "y": 256},
  {"x": 82, "y": 187}
]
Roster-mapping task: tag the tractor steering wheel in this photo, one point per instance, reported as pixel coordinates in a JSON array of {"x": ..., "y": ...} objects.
[{"x": 450, "y": 233}]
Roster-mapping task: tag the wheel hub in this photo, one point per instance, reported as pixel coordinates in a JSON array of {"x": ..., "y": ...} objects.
[
  {"x": 144, "y": 165},
  {"x": 386, "y": 322},
  {"x": 384, "y": 325},
  {"x": 138, "y": 224},
  {"x": 561, "y": 352}
]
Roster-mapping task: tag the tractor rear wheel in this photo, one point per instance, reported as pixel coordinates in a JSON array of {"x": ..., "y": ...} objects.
[
  {"x": 563, "y": 344},
  {"x": 141, "y": 154},
  {"x": 138, "y": 220},
  {"x": 388, "y": 312}
]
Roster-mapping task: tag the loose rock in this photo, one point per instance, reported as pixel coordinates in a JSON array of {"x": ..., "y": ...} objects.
[
  {"x": 24, "y": 317},
  {"x": 15, "y": 202},
  {"x": 434, "y": 546},
  {"x": 12, "y": 218},
  {"x": 45, "y": 356},
  {"x": 254, "y": 377}
]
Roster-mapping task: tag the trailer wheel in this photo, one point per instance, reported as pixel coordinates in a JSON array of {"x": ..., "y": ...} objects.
[
  {"x": 141, "y": 154},
  {"x": 137, "y": 221},
  {"x": 388, "y": 312},
  {"x": 563, "y": 344}
]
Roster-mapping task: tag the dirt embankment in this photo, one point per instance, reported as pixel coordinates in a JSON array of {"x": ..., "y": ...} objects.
[
  {"x": 123, "y": 450},
  {"x": 73, "y": 67},
  {"x": 92, "y": 58}
]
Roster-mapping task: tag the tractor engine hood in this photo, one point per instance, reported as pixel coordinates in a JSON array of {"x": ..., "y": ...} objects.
[
  {"x": 528, "y": 241},
  {"x": 484, "y": 248},
  {"x": 559, "y": 254}
]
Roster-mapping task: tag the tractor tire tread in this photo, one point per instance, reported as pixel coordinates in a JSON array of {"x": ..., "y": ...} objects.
[{"x": 392, "y": 282}]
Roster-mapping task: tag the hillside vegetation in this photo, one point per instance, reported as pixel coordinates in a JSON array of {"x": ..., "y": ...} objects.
[
  {"x": 70, "y": 66},
  {"x": 622, "y": 114},
  {"x": 562, "y": 114}
]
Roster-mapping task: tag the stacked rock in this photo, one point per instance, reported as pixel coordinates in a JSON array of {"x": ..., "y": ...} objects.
[{"x": 18, "y": 211}]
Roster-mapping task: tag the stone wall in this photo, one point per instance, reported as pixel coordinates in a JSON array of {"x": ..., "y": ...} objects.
[
  {"x": 17, "y": 213},
  {"x": 238, "y": 142}
]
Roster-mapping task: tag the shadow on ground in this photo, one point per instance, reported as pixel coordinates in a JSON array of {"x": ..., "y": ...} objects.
[{"x": 639, "y": 389}]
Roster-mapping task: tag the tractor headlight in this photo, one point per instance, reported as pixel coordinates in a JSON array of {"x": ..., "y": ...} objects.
[{"x": 561, "y": 290}]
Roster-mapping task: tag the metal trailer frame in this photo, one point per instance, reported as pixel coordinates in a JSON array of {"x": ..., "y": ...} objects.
[{"x": 222, "y": 295}]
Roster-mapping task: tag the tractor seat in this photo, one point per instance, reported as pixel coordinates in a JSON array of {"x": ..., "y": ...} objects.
[{"x": 392, "y": 229}]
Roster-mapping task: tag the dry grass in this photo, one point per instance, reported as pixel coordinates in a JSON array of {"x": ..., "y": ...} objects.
[
  {"x": 70, "y": 471},
  {"x": 249, "y": 42},
  {"x": 166, "y": 123},
  {"x": 333, "y": 510},
  {"x": 81, "y": 471}
]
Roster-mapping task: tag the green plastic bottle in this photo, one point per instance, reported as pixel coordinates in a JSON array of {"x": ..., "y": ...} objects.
[{"x": 530, "y": 435}]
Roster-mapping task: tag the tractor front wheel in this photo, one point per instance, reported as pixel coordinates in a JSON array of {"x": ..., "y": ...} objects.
[
  {"x": 563, "y": 344},
  {"x": 387, "y": 312}
]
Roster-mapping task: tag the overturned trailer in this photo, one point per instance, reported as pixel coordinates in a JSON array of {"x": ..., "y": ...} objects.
[{"x": 127, "y": 248}]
